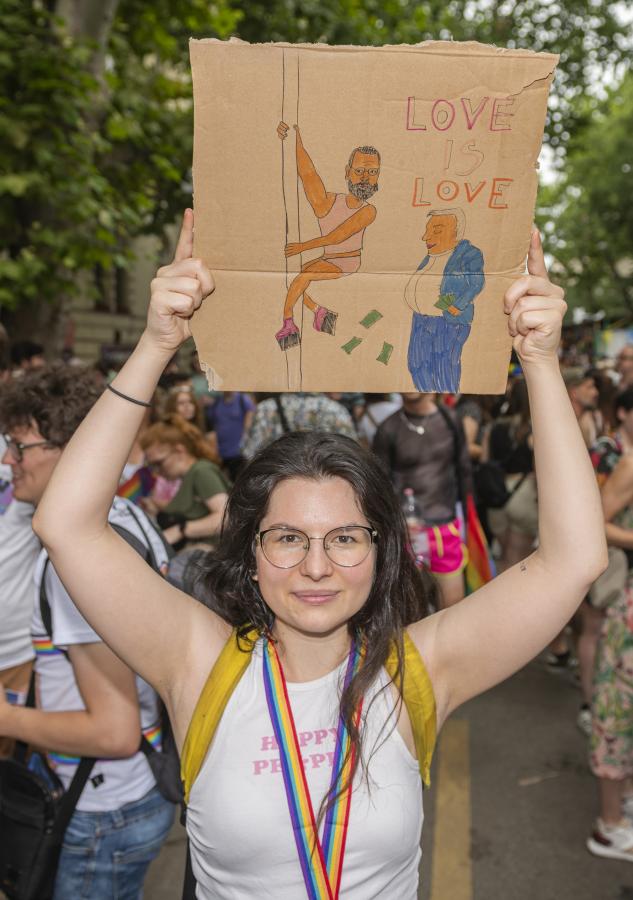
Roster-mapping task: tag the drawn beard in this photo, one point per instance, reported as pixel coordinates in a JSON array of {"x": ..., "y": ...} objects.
[{"x": 362, "y": 191}]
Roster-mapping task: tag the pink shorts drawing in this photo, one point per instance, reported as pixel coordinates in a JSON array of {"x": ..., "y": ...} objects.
[
  {"x": 347, "y": 264},
  {"x": 448, "y": 554}
]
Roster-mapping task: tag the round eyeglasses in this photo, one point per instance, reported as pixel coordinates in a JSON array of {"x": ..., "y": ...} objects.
[{"x": 286, "y": 547}]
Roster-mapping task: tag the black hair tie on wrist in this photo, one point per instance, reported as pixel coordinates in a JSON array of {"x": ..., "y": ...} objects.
[{"x": 125, "y": 397}]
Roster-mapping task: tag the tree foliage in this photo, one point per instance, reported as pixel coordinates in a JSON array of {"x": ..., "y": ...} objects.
[
  {"x": 97, "y": 121},
  {"x": 92, "y": 158},
  {"x": 588, "y": 215}
]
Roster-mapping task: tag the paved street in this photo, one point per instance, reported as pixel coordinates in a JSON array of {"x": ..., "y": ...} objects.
[{"x": 510, "y": 807}]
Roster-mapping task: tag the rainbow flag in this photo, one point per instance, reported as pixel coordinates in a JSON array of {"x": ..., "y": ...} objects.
[
  {"x": 481, "y": 568},
  {"x": 138, "y": 486}
]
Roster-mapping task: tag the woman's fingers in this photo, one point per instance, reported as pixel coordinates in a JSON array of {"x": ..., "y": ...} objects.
[
  {"x": 171, "y": 303},
  {"x": 543, "y": 321},
  {"x": 188, "y": 286},
  {"x": 534, "y": 285},
  {"x": 189, "y": 268},
  {"x": 184, "y": 247},
  {"x": 538, "y": 305},
  {"x": 536, "y": 259}
]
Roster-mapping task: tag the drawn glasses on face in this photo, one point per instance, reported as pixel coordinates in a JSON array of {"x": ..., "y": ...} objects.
[
  {"x": 286, "y": 547},
  {"x": 16, "y": 448},
  {"x": 360, "y": 172}
]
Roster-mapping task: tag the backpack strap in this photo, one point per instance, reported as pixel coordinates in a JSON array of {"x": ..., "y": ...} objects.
[
  {"x": 281, "y": 412},
  {"x": 222, "y": 681},
  {"x": 419, "y": 700},
  {"x": 417, "y": 693},
  {"x": 458, "y": 443}
]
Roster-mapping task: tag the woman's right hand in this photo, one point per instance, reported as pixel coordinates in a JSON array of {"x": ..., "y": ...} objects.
[{"x": 177, "y": 291}]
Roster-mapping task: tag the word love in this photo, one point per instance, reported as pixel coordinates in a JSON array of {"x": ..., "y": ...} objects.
[
  {"x": 493, "y": 115},
  {"x": 491, "y": 190}
]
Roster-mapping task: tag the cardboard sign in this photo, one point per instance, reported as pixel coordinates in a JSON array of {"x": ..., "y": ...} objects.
[{"x": 363, "y": 211}]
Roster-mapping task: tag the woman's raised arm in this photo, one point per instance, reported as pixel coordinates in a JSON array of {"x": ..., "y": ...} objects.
[
  {"x": 489, "y": 635},
  {"x": 149, "y": 624}
]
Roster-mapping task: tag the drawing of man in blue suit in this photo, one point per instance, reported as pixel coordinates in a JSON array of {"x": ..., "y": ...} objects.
[{"x": 451, "y": 274}]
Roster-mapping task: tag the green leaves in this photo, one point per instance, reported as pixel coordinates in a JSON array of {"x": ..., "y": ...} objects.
[
  {"x": 590, "y": 211},
  {"x": 95, "y": 149}
]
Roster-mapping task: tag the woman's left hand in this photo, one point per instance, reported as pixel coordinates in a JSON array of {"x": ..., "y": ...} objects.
[{"x": 535, "y": 308}]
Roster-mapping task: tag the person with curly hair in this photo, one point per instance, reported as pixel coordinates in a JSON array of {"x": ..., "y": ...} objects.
[
  {"x": 19, "y": 549},
  {"x": 90, "y": 703},
  {"x": 316, "y": 697}
]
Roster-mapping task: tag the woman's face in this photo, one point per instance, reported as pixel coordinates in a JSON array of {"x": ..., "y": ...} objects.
[
  {"x": 316, "y": 596},
  {"x": 185, "y": 406},
  {"x": 170, "y": 461}
]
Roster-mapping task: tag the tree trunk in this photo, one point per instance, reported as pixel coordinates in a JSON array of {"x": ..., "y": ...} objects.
[
  {"x": 84, "y": 20},
  {"x": 89, "y": 20}
]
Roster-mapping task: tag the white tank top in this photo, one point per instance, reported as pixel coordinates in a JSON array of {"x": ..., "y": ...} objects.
[
  {"x": 238, "y": 822},
  {"x": 339, "y": 213}
]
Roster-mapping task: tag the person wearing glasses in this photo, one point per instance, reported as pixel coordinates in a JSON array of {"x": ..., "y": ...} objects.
[
  {"x": 89, "y": 702},
  {"x": 323, "y": 631},
  {"x": 19, "y": 549},
  {"x": 177, "y": 450}
]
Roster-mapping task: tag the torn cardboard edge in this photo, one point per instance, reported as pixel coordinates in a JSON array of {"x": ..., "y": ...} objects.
[
  {"x": 440, "y": 47},
  {"x": 238, "y": 333}
]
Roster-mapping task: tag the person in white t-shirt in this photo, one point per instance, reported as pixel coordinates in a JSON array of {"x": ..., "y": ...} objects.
[
  {"x": 313, "y": 571},
  {"x": 89, "y": 702},
  {"x": 18, "y": 551}
]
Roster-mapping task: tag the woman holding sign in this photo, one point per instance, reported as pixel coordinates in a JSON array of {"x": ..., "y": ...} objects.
[{"x": 325, "y": 672}]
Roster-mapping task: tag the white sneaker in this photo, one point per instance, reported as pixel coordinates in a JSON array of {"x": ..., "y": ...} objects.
[{"x": 612, "y": 841}]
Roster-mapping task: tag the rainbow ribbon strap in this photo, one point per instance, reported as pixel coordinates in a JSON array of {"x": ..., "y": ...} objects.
[{"x": 321, "y": 862}]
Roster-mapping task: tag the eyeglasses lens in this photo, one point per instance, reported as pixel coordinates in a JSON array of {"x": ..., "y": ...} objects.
[
  {"x": 344, "y": 546},
  {"x": 13, "y": 448}
]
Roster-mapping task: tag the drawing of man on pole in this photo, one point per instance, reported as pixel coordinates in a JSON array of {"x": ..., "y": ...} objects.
[{"x": 342, "y": 219}]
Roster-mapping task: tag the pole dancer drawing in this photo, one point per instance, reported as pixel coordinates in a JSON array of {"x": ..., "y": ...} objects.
[{"x": 342, "y": 219}]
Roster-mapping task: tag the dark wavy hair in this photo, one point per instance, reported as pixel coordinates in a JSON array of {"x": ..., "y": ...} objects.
[{"x": 400, "y": 593}]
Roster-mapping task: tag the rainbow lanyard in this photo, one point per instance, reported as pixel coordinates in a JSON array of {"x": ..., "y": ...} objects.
[{"x": 321, "y": 861}]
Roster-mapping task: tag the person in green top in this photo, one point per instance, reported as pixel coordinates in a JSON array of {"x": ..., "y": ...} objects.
[{"x": 174, "y": 448}]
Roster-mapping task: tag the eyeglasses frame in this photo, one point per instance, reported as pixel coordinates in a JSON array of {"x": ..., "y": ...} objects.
[
  {"x": 20, "y": 446},
  {"x": 373, "y": 534}
]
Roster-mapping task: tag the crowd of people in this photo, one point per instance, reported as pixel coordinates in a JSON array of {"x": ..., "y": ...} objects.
[{"x": 305, "y": 550}]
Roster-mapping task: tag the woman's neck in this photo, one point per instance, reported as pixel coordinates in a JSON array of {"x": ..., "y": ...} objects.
[
  {"x": 306, "y": 657},
  {"x": 626, "y": 440}
]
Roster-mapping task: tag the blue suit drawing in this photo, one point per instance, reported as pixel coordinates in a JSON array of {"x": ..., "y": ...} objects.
[{"x": 436, "y": 343}]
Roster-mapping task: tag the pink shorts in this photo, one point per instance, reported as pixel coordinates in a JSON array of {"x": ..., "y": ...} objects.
[
  {"x": 448, "y": 554},
  {"x": 347, "y": 264}
]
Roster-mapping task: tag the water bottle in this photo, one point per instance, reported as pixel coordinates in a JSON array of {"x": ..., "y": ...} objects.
[{"x": 416, "y": 527}]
